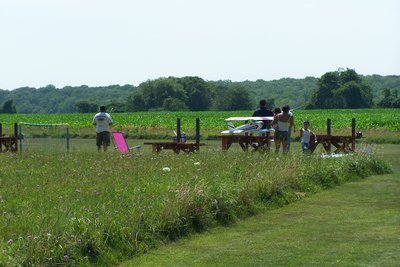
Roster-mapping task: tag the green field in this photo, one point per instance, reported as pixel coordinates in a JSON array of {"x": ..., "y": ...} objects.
[
  {"x": 356, "y": 224},
  {"x": 86, "y": 208},
  {"x": 99, "y": 208},
  {"x": 377, "y": 125},
  {"x": 388, "y": 119}
]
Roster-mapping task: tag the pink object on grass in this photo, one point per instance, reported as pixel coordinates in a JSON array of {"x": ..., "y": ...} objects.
[{"x": 120, "y": 142}]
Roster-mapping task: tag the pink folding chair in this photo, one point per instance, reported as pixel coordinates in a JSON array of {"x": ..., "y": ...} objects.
[{"x": 120, "y": 143}]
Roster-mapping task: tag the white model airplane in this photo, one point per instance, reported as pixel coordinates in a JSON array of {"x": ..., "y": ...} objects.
[{"x": 253, "y": 127}]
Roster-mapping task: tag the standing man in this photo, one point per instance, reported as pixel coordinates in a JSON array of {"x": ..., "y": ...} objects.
[
  {"x": 102, "y": 120},
  {"x": 262, "y": 111}
]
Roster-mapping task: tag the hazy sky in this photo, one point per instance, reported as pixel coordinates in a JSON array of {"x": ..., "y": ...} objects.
[{"x": 98, "y": 42}]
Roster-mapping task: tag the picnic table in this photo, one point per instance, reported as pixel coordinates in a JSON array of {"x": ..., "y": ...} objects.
[
  {"x": 257, "y": 143},
  {"x": 8, "y": 144},
  {"x": 177, "y": 147}
]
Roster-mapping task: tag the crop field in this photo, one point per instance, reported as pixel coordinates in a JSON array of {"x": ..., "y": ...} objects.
[{"x": 213, "y": 122}]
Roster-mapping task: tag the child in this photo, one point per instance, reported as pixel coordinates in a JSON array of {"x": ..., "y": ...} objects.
[{"x": 305, "y": 135}]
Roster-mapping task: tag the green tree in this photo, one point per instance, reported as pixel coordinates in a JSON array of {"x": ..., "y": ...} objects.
[
  {"x": 86, "y": 107},
  {"x": 9, "y": 107},
  {"x": 390, "y": 99},
  {"x": 354, "y": 95},
  {"x": 136, "y": 102},
  {"x": 198, "y": 92},
  {"x": 116, "y": 106},
  {"x": 151, "y": 94},
  {"x": 341, "y": 89},
  {"x": 174, "y": 104},
  {"x": 234, "y": 97},
  {"x": 323, "y": 96},
  {"x": 239, "y": 98},
  {"x": 395, "y": 93}
]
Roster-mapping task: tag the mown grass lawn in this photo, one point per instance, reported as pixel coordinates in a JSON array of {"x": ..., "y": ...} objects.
[{"x": 357, "y": 224}]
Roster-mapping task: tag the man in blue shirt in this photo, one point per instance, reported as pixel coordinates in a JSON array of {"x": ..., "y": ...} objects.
[{"x": 262, "y": 111}]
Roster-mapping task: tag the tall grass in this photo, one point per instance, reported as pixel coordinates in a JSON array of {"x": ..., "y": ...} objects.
[{"x": 98, "y": 209}]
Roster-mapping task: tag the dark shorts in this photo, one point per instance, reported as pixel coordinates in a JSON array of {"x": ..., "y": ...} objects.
[
  {"x": 283, "y": 135},
  {"x": 103, "y": 138}
]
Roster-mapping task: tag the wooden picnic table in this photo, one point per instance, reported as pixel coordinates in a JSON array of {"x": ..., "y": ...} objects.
[
  {"x": 247, "y": 141},
  {"x": 8, "y": 144},
  {"x": 342, "y": 143},
  {"x": 175, "y": 146}
]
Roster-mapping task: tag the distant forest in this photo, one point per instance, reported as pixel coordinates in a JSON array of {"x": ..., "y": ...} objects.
[{"x": 186, "y": 93}]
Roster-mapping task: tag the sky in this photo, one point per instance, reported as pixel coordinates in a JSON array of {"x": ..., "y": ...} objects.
[{"x": 104, "y": 42}]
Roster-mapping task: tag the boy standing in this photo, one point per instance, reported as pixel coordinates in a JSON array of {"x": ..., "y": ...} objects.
[{"x": 305, "y": 135}]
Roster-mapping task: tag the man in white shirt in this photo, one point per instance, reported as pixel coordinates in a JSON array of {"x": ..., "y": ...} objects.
[{"x": 102, "y": 120}]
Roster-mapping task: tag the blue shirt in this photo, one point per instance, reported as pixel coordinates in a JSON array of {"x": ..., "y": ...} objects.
[{"x": 264, "y": 112}]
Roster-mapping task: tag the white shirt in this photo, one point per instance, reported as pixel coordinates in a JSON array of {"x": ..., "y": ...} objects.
[
  {"x": 102, "y": 120},
  {"x": 306, "y": 136}
]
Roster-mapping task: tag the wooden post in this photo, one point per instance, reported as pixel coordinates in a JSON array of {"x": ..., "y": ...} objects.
[
  {"x": 16, "y": 136},
  {"x": 328, "y": 132},
  {"x": 353, "y": 134},
  {"x": 178, "y": 130},
  {"x": 15, "y": 130},
  {"x": 197, "y": 132},
  {"x": 1, "y": 134}
]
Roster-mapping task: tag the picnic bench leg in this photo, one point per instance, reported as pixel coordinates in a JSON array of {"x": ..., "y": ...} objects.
[
  {"x": 224, "y": 143},
  {"x": 244, "y": 144},
  {"x": 156, "y": 148},
  {"x": 176, "y": 148}
]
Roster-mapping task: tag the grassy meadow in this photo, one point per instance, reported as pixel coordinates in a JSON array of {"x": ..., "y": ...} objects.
[
  {"x": 356, "y": 224},
  {"x": 87, "y": 208}
]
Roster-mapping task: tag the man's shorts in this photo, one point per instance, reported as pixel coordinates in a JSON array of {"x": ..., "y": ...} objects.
[
  {"x": 103, "y": 138},
  {"x": 283, "y": 135}
]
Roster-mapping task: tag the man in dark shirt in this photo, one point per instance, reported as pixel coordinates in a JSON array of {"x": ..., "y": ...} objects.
[{"x": 262, "y": 111}]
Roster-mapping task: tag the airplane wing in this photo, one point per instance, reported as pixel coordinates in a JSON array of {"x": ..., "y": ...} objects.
[
  {"x": 266, "y": 130},
  {"x": 250, "y": 118},
  {"x": 232, "y": 132},
  {"x": 250, "y": 131}
]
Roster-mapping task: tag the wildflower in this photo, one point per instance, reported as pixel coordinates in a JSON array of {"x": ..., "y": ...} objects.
[
  {"x": 10, "y": 242},
  {"x": 166, "y": 169}
]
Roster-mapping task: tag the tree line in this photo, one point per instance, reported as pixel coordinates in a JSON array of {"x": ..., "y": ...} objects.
[{"x": 336, "y": 89}]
